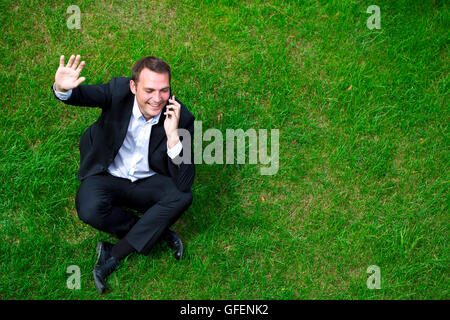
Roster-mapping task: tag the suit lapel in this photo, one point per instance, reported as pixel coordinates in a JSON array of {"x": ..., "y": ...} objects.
[{"x": 125, "y": 118}]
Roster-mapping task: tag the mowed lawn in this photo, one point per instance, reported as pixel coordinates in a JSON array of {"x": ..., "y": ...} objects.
[{"x": 363, "y": 176}]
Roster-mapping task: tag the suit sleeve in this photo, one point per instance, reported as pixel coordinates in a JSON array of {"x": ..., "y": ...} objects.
[
  {"x": 183, "y": 173},
  {"x": 97, "y": 95}
]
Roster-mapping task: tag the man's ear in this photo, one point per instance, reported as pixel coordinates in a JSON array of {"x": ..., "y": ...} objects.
[{"x": 133, "y": 86}]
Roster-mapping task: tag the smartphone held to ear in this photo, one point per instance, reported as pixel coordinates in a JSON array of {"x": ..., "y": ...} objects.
[{"x": 170, "y": 96}]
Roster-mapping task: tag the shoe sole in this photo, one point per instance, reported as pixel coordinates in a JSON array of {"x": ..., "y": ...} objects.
[
  {"x": 182, "y": 251},
  {"x": 98, "y": 249}
]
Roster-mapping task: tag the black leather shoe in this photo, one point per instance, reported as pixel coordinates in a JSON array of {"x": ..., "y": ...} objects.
[
  {"x": 103, "y": 271},
  {"x": 174, "y": 242},
  {"x": 103, "y": 250},
  {"x": 105, "y": 265}
]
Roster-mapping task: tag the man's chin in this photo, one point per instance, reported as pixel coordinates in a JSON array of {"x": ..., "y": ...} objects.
[{"x": 154, "y": 112}]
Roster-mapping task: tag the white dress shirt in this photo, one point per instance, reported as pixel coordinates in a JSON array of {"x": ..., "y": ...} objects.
[{"x": 131, "y": 161}]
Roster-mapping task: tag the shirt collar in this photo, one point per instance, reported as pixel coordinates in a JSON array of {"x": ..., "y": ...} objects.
[{"x": 138, "y": 114}]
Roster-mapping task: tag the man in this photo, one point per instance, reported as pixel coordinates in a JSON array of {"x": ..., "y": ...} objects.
[{"x": 130, "y": 159}]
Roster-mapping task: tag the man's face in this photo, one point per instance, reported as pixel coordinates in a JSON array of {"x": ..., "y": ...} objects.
[{"x": 152, "y": 92}]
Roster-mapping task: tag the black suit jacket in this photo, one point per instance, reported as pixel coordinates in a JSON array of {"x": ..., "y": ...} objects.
[{"x": 100, "y": 143}]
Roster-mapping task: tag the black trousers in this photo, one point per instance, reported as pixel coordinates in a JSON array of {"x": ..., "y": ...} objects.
[{"x": 102, "y": 201}]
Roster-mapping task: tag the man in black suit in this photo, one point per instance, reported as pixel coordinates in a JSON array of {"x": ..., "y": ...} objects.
[{"x": 131, "y": 158}]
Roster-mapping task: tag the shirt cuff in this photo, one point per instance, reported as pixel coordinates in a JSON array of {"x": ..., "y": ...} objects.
[
  {"x": 62, "y": 95},
  {"x": 175, "y": 151}
]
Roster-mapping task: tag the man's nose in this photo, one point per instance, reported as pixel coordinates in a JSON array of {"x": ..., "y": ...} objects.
[{"x": 157, "y": 97}]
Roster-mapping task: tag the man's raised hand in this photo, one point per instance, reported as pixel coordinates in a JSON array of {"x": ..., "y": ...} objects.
[{"x": 67, "y": 77}]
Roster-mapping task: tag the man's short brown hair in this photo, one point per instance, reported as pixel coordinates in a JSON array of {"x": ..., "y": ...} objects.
[{"x": 154, "y": 64}]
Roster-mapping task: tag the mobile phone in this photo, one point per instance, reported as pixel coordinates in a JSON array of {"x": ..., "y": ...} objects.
[{"x": 170, "y": 96}]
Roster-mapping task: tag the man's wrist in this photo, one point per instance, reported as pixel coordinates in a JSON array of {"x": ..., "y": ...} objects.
[
  {"x": 174, "y": 151},
  {"x": 63, "y": 96},
  {"x": 173, "y": 140},
  {"x": 58, "y": 89}
]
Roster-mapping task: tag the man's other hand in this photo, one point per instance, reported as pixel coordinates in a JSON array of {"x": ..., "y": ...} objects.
[
  {"x": 67, "y": 77},
  {"x": 172, "y": 114}
]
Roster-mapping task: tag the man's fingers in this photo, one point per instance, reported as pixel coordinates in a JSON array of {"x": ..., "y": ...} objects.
[
  {"x": 171, "y": 108},
  {"x": 61, "y": 61},
  {"x": 174, "y": 107},
  {"x": 171, "y": 114},
  {"x": 79, "y": 81},
  {"x": 173, "y": 101},
  {"x": 77, "y": 61},
  {"x": 70, "y": 62},
  {"x": 80, "y": 67}
]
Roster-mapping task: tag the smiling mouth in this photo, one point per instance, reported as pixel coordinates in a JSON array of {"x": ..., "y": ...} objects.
[{"x": 153, "y": 106}]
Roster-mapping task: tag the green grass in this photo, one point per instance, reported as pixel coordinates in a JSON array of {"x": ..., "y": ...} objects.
[{"x": 363, "y": 177}]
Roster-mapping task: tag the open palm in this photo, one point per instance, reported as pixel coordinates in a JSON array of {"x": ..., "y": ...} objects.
[{"x": 68, "y": 77}]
